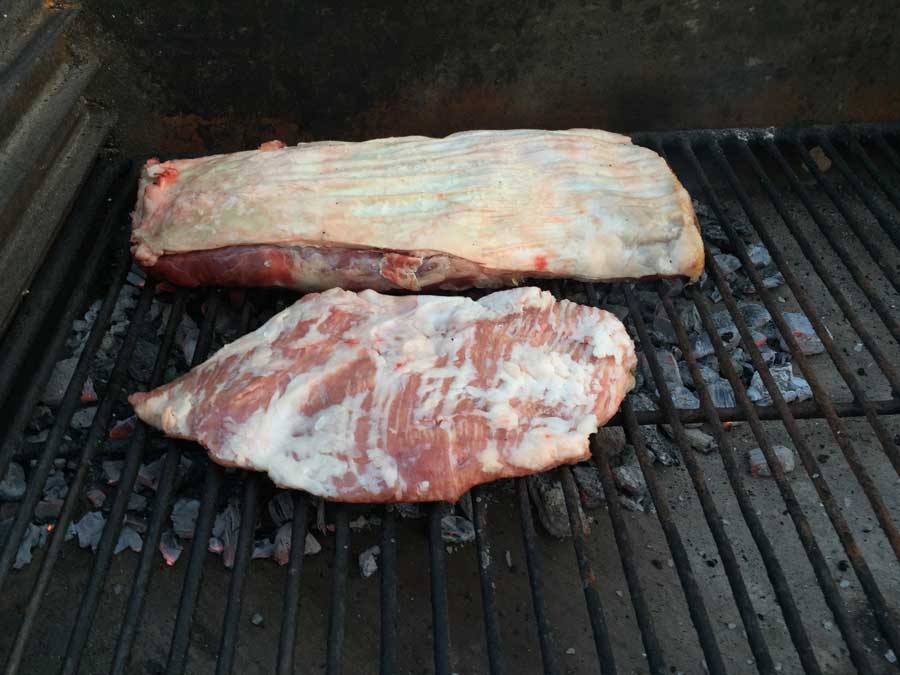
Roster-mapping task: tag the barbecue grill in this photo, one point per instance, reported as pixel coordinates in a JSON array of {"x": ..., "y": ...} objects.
[{"x": 724, "y": 572}]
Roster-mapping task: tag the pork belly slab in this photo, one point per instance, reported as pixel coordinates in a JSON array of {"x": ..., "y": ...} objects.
[
  {"x": 475, "y": 209},
  {"x": 364, "y": 397}
]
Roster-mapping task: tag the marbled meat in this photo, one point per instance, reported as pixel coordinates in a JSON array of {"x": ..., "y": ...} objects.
[
  {"x": 365, "y": 397},
  {"x": 474, "y": 209}
]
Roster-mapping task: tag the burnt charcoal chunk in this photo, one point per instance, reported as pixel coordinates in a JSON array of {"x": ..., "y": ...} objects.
[
  {"x": 804, "y": 333},
  {"x": 669, "y": 366},
  {"x": 684, "y": 398},
  {"x": 755, "y": 315},
  {"x": 630, "y": 480},
  {"x": 184, "y": 517},
  {"x": 368, "y": 561},
  {"x": 715, "y": 234},
  {"x": 708, "y": 375},
  {"x": 56, "y": 386},
  {"x": 687, "y": 314},
  {"x": 549, "y": 501},
  {"x": 35, "y": 537},
  {"x": 663, "y": 449},
  {"x": 82, "y": 419},
  {"x": 281, "y": 508},
  {"x": 792, "y": 387},
  {"x": 728, "y": 263},
  {"x": 170, "y": 547},
  {"x": 771, "y": 277},
  {"x": 89, "y": 529},
  {"x": 759, "y": 255},
  {"x": 641, "y": 401},
  {"x": 55, "y": 486},
  {"x": 701, "y": 346},
  {"x": 700, "y": 440},
  {"x": 41, "y": 418},
  {"x": 760, "y": 467},
  {"x": 129, "y": 538},
  {"x": 12, "y": 487},
  {"x": 140, "y": 367},
  {"x": 457, "y": 530},
  {"x": 722, "y": 394},
  {"x": 590, "y": 488},
  {"x": 186, "y": 336},
  {"x": 225, "y": 533}
]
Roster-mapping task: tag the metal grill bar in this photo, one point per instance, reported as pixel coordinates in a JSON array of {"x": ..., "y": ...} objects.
[
  {"x": 30, "y": 396},
  {"x": 882, "y": 311},
  {"x": 239, "y": 574},
  {"x": 801, "y": 524},
  {"x": 626, "y": 552},
  {"x": 803, "y": 410},
  {"x": 888, "y": 151},
  {"x": 95, "y": 438},
  {"x": 818, "y": 264},
  {"x": 241, "y": 569},
  {"x": 859, "y": 152},
  {"x": 818, "y": 390},
  {"x": 98, "y": 427},
  {"x": 809, "y": 461},
  {"x": 888, "y": 223},
  {"x": 534, "y": 578},
  {"x": 140, "y": 433},
  {"x": 887, "y": 266},
  {"x": 623, "y": 542},
  {"x": 588, "y": 578},
  {"x": 485, "y": 560},
  {"x": 779, "y": 581},
  {"x": 764, "y": 661},
  {"x": 288, "y": 636},
  {"x": 191, "y": 590},
  {"x": 388, "y": 588},
  {"x": 165, "y": 487},
  {"x": 338, "y": 591},
  {"x": 67, "y": 408},
  {"x": 696, "y": 604},
  {"x": 439, "y": 614},
  {"x": 178, "y": 652},
  {"x": 839, "y": 361}
]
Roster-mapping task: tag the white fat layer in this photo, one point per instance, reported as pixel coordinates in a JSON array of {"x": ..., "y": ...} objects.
[
  {"x": 587, "y": 203},
  {"x": 404, "y": 337}
]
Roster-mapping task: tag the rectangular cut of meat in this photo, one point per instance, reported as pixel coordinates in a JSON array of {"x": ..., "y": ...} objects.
[
  {"x": 475, "y": 209},
  {"x": 374, "y": 398}
]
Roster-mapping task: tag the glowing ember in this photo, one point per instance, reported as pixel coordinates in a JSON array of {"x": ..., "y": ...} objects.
[
  {"x": 123, "y": 428},
  {"x": 88, "y": 393}
]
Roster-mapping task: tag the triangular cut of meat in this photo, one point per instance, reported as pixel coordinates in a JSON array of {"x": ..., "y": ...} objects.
[{"x": 364, "y": 397}]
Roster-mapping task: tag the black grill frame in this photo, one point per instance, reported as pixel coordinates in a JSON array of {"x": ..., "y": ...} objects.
[{"x": 20, "y": 394}]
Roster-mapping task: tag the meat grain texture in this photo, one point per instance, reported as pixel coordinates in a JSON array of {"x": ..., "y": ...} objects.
[
  {"x": 373, "y": 398},
  {"x": 475, "y": 209}
]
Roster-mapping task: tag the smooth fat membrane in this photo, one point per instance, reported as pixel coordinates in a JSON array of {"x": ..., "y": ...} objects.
[{"x": 477, "y": 208}]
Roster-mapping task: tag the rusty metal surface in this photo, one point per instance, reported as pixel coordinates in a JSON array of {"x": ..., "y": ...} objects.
[{"x": 220, "y": 76}]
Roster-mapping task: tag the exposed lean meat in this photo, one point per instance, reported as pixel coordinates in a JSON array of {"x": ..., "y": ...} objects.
[
  {"x": 478, "y": 208},
  {"x": 368, "y": 397}
]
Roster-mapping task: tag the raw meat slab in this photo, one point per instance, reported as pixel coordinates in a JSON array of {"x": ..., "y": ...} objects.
[
  {"x": 373, "y": 398},
  {"x": 475, "y": 209}
]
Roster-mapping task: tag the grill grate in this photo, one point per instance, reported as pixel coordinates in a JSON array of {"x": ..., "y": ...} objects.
[{"x": 750, "y": 172}]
